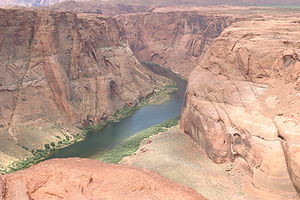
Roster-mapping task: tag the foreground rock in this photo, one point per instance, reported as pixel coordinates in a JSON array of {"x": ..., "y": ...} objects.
[
  {"x": 175, "y": 40},
  {"x": 58, "y": 71},
  {"x": 86, "y": 179},
  {"x": 242, "y": 104}
]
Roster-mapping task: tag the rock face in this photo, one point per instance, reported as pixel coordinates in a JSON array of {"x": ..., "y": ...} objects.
[
  {"x": 242, "y": 104},
  {"x": 87, "y": 179},
  {"x": 174, "y": 39},
  {"x": 59, "y": 71}
]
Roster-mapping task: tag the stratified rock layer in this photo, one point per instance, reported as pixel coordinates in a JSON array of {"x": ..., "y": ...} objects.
[
  {"x": 58, "y": 71},
  {"x": 79, "y": 179},
  {"x": 175, "y": 40},
  {"x": 242, "y": 104}
]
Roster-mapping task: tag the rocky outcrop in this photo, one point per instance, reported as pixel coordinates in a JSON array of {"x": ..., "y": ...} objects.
[
  {"x": 58, "y": 71},
  {"x": 242, "y": 104},
  {"x": 87, "y": 179},
  {"x": 175, "y": 39}
]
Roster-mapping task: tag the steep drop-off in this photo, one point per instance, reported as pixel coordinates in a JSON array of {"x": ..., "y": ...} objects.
[
  {"x": 175, "y": 40},
  {"x": 58, "y": 71},
  {"x": 242, "y": 104}
]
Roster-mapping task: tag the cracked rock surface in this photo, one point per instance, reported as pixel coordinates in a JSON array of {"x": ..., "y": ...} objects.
[{"x": 242, "y": 104}]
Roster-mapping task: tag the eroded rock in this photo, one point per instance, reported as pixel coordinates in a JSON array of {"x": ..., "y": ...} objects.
[
  {"x": 58, "y": 71},
  {"x": 173, "y": 39},
  {"x": 243, "y": 102}
]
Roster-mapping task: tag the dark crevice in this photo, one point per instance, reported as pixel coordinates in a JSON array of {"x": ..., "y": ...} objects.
[{"x": 281, "y": 137}]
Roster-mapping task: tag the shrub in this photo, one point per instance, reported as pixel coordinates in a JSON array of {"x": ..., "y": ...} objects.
[
  {"x": 131, "y": 145},
  {"x": 47, "y": 146}
]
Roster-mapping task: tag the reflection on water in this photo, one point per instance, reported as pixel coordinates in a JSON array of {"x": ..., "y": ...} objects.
[{"x": 114, "y": 134}]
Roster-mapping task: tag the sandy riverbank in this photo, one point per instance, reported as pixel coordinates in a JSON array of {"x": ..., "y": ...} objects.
[{"x": 175, "y": 156}]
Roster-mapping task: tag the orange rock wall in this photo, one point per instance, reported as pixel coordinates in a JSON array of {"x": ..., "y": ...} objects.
[
  {"x": 175, "y": 39},
  {"x": 58, "y": 71},
  {"x": 242, "y": 104}
]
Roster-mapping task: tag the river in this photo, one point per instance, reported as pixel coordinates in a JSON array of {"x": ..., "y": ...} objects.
[{"x": 113, "y": 134}]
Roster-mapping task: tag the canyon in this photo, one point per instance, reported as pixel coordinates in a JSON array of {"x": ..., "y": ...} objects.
[
  {"x": 173, "y": 39},
  {"x": 68, "y": 67},
  {"x": 59, "y": 72}
]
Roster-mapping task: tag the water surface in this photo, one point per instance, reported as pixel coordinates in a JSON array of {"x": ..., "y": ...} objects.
[{"x": 115, "y": 133}]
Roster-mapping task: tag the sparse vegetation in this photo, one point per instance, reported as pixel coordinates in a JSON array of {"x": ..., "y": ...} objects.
[
  {"x": 131, "y": 145},
  {"x": 40, "y": 154},
  {"x": 126, "y": 111}
]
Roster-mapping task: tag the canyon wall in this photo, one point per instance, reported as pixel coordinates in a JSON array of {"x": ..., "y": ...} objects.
[
  {"x": 242, "y": 104},
  {"x": 175, "y": 39},
  {"x": 58, "y": 71}
]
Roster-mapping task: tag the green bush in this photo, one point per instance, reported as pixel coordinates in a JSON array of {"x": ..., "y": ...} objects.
[
  {"x": 127, "y": 148},
  {"x": 131, "y": 145}
]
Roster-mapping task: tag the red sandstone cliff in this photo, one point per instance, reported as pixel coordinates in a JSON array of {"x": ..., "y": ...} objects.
[
  {"x": 175, "y": 40},
  {"x": 58, "y": 71},
  {"x": 242, "y": 104}
]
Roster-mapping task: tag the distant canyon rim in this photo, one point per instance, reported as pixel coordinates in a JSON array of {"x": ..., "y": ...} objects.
[{"x": 69, "y": 66}]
